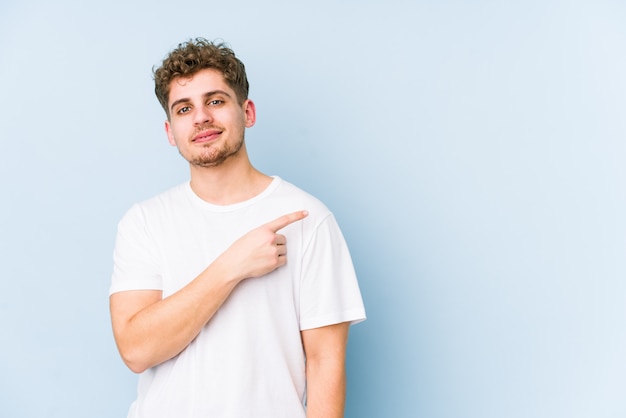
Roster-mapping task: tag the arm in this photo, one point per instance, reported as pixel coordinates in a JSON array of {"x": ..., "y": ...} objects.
[
  {"x": 149, "y": 330},
  {"x": 325, "y": 350}
]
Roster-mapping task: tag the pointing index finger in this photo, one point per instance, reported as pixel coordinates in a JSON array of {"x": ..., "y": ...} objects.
[{"x": 281, "y": 222}]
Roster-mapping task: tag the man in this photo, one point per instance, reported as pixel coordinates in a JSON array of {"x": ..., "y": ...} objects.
[{"x": 232, "y": 294}]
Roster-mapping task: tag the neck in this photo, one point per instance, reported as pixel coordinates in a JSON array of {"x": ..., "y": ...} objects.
[{"x": 233, "y": 181}]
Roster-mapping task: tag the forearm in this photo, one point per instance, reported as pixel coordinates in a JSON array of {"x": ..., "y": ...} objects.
[
  {"x": 326, "y": 388},
  {"x": 150, "y": 330},
  {"x": 162, "y": 328}
]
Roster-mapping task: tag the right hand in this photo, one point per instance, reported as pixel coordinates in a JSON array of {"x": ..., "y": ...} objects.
[{"x": 261, "y": 250}]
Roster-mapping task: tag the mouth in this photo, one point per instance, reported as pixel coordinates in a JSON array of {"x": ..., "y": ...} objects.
[{"x": 206, "y": 136}]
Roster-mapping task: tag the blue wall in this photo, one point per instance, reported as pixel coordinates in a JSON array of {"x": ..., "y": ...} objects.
[{"x": 473, "y": 154}]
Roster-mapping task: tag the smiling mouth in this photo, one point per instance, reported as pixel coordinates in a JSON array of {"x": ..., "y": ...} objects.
[{"x": 206, "y": 136}]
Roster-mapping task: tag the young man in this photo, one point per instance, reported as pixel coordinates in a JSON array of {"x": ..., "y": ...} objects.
[{"x": 232, "y": 294}]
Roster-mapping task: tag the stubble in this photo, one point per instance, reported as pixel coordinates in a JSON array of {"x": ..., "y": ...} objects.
[{"x": 213, "y": 155}]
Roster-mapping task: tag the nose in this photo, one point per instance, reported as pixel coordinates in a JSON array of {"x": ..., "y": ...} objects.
[{"x": 202, "y": 116}]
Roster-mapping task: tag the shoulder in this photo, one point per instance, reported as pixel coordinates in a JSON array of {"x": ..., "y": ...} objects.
[
  {"x": 157, "y": 206},
  {"x": 319, "y": 223},
  {"x": 289, "y": 192}
]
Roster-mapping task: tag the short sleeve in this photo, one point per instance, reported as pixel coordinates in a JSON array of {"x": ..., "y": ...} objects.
[
  {"x": 135, "y": 259},
  {"x": 329, "y": 291}
]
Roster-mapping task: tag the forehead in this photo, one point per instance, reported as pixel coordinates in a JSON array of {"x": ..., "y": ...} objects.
[{"x": 197, "y": 85}]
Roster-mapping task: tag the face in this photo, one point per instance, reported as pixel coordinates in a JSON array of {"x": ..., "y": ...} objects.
[{"x": 206, "y": 122}]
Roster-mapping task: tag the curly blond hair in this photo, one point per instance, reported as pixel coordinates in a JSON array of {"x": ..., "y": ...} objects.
[{"x": 195, "y": 55}]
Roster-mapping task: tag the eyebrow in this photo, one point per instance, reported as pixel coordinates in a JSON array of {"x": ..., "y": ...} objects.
[{"x": 205, "y": 95}]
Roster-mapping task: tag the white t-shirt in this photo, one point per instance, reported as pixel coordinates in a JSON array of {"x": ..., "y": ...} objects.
[{"x": 248, "y": 361}]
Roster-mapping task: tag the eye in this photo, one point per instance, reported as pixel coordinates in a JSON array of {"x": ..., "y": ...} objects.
[
  {"x": 215, "y": 102},
  {"x": 183, "y": 109}
]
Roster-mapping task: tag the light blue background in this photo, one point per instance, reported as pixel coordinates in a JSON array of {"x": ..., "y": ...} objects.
[{"x": 473, "y": 153}]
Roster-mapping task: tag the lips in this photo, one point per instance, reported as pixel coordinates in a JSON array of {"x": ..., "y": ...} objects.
[{"x": 206, "y": 136}]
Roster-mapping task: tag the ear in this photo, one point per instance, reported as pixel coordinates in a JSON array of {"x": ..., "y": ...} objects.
[
  {"x": 170, "y": 135},
  {"x": 249, "y": 110}
]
